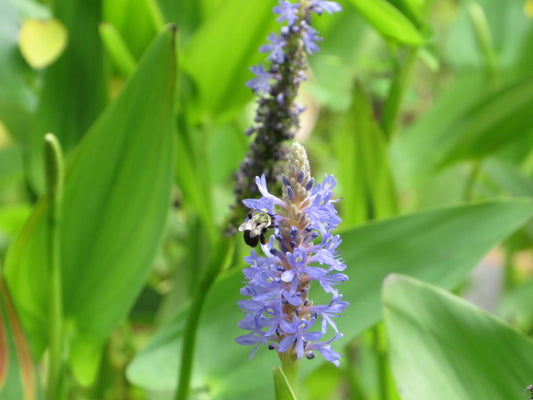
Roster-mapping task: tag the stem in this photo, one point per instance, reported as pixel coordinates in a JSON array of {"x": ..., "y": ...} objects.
[
  {"x": 291, "y": 368},
  {"x": 483, "y": 37},
  {"x": 381, "y": 363},
  {"x": 356, "y": 391},
  {"x": 214, "y": 266},
  {"x": 468, "y": 194},
  {"x": 509, "y": 277},
  {"x": 402, "y": 76},
  {"x": 54, "y": 178}
]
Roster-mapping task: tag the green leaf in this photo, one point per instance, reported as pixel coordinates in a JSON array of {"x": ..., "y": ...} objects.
[
  {"x": 135, "y": 20},
  {"x": 439, "y": 246},
  {"x": 468, "y": 123},
  {"x": 443, "y": 348},
  {"x": 18, "y": 379},
  {"x": 117, "y": 49},
  {"x": 68, "y": 104},
  {"x": 221, "y": 51},
  {"x": 115, "y": 202},
  {"x": 390, "y": 22},
  {"x": 506, "y": 177}
]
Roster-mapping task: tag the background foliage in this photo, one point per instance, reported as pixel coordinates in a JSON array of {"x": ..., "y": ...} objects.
[{"x": 420, "y": 108}]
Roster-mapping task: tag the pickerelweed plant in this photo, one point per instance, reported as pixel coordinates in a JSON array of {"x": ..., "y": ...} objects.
[
  {"x": 302, "y": 249},
  {"x": 276, "y": 83}
]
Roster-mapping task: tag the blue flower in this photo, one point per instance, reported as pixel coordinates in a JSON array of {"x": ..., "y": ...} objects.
[
  {"x": 298, "y": 335},
  {"x": 275, "y": 48},
  {"x": 301, "y": 251},
  {"x": 287, "y": 11},
  {"x": 325, "y": 350},
  {"x": 310, "y": 37},
  {"x": 261, "y": 83},
  {"x": 330, "y": 7}
]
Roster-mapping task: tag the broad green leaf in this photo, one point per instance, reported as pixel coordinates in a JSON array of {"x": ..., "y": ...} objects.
[
  {"x": 42, "y": 41},
  {"x": 115, "y": 202},
  {"x": 390, "y": 22},
  {"x": 222, "y": 50},
  {"x": 368, "y": 191},
  {"x": 18, "y": 378},
  {"x": 443, "y": 348},
  {"x": 439, "y": 246},
  {"x": 68, "y": 104}
]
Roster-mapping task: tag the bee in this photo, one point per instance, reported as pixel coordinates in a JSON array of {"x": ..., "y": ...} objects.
[
  {"x": 256, "y": 227},
  {"x": 530, "y": 389}
]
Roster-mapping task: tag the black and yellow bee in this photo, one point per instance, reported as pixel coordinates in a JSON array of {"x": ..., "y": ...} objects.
[{"x": 256, "y": 227}]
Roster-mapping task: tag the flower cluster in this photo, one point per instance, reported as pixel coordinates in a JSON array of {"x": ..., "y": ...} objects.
[
  {"x": 301, "y": 250},
  {"x": 277, "y": 84}
]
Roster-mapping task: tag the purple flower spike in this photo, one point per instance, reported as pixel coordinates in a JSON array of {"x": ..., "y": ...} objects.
[
  {"x": 302, "y": 250},
  {"x": 277, "y": 83}
]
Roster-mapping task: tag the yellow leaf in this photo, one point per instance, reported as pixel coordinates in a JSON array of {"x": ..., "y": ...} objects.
[{"x": 42, "y": 41}]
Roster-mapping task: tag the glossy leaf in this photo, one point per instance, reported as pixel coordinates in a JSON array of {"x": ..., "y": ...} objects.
[
  {"x": 115, "y": 203},
  {"x": 434, "y": 246},
  {"x": 18, "y": 379},
  {"x": 389, "y": 21},
  {"x": 443, "y": 348}
]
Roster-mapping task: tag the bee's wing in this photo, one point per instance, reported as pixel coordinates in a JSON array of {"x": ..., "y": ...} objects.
[{"x": 247, "y": 225}]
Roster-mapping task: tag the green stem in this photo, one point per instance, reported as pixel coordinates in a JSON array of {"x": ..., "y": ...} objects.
[
  {"x": 214, "y": 267},
  {"x": 509, "y": 271},
  {"x": 291, "y": 368},
  {"x": 402, "y": 77},
  {"x": 356, "y": 391},
  {"x": 468, "y": 194},
  {"x": 381, "y": 357},
  {"x": 54, "y": 178},
  {"x": 483, "y": 37}
]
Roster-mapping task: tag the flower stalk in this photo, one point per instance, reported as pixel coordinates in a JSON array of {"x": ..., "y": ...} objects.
[{"x": 53, "y": 159}]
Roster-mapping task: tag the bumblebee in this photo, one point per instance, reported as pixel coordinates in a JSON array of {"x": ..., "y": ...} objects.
[{"x": 256, "y": 227}]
